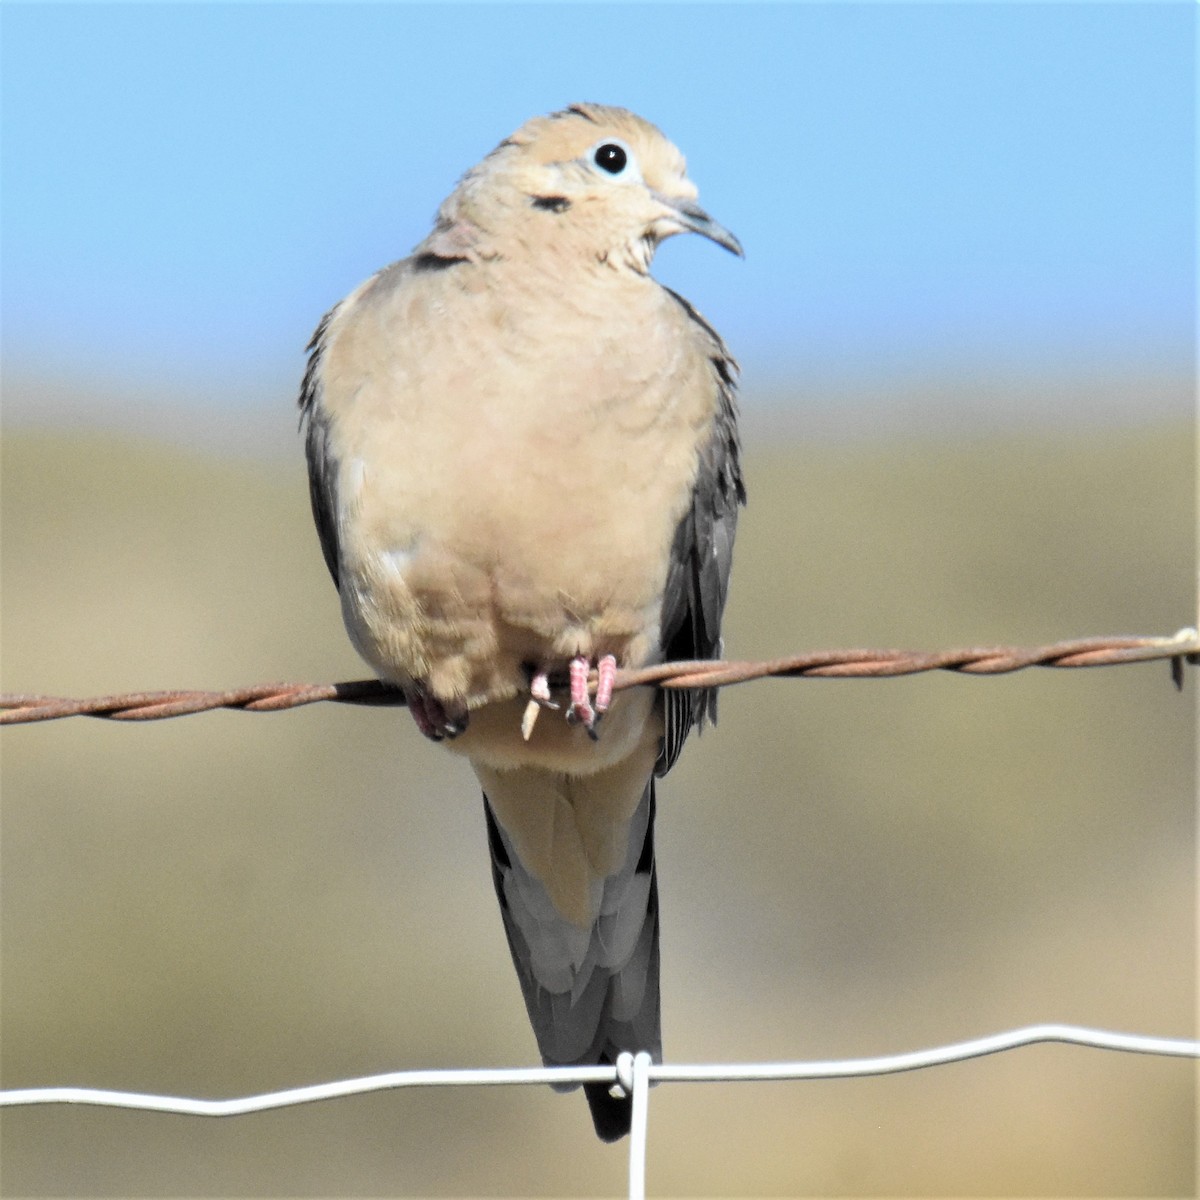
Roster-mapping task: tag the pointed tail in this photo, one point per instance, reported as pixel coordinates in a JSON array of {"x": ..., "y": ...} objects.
[{"x": 590, "y": 992}]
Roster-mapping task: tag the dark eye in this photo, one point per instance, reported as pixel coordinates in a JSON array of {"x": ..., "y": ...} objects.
[{"x": 611, "y": 158}]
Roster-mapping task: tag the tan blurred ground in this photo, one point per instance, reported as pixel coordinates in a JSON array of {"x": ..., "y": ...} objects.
[{"x": 234, "y": 903}]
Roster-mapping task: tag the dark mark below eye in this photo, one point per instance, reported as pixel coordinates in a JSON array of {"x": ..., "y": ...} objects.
[{"x": 551, "y": 203}]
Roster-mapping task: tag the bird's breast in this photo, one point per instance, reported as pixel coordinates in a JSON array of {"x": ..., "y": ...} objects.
[{"x": 508, "y": 499}]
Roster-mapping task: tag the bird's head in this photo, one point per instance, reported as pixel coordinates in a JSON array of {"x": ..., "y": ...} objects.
[{"x": 591, "y": 178}]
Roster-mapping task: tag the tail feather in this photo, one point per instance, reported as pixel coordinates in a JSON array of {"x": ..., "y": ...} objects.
[{"x": 590, "y": 994}]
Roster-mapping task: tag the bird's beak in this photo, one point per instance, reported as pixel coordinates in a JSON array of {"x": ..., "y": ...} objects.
[{"x": 690, "y": 216}]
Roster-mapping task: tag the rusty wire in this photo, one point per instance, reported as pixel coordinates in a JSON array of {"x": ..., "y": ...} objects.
[{"x": 825, "y": 664}]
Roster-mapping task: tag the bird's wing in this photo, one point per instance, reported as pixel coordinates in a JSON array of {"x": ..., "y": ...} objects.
[
  {"x": 322, "y": 462},
  {"x": 702, "y": 554}
]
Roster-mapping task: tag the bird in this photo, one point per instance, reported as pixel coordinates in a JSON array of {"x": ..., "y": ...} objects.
[{"x": 524, "y": 470}]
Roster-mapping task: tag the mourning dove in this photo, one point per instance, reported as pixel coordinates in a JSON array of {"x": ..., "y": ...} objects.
[{"x": 523, "y": 461}]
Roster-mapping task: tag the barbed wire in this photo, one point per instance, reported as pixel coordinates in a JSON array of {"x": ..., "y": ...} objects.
[
  {"x": 632, "y": 1073},
  {"x": 1183, "y": 647}
]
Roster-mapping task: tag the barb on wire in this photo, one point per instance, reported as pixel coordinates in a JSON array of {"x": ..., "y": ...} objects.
[{"x": 1183, "y": 647}]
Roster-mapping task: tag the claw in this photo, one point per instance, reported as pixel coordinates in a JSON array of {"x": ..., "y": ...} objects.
[{"x": 529, "y": 718}]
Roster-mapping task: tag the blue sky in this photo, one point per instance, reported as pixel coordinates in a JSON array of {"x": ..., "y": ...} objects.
[{"x": 921, "y": 188}]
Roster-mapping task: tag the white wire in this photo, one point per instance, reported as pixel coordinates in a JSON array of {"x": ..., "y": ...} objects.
[
  {"x": 305, "y": 1095},
  {"x": 654, "y": 1072},
  {"x": 639, "y": 1120},
  {"x": 634, "y": 1073},
  {"x": 1101, "y": 1039}
]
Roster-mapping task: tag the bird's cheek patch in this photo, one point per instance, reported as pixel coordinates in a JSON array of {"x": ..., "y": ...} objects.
[{"x": 554, "y": 204}]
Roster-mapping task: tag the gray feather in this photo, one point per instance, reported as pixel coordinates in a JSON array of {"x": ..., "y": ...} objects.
[
  {"x": 322, "y": 464},
  {"x": 702, "y": 554},
  {"x": 589, "y": 993}
]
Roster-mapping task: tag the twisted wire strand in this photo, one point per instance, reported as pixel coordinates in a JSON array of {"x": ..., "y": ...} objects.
[{"x": 1183, "y": 647}]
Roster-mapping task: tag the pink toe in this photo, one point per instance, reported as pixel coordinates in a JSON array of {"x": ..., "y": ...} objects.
[
  {"x": 581, "y": 705},
  {"x": 606, "y": 671},
  {"x": 539, "y": 689}
]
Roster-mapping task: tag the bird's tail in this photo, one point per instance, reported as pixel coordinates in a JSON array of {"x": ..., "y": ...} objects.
[{"x": 590, "y": 992}]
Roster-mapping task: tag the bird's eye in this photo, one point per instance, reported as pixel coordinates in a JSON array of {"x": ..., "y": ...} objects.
[{"x": 610, "y": 157}]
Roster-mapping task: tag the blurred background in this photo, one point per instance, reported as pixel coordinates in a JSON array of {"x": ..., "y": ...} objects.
[{"x": 966, "y": 325}]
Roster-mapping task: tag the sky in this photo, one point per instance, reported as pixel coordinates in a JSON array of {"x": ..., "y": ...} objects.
[{"x": 924, "y": 191}]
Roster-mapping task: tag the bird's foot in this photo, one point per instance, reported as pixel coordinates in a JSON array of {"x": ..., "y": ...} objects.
[
  {"x": 432, "y": 718},
  {"x": 582, "y": 711}
]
